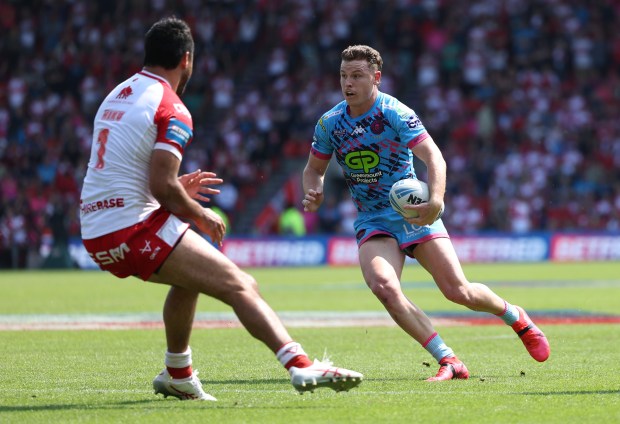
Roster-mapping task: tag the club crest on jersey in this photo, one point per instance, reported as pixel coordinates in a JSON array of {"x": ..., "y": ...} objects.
[
  {"x": 377, "y": 126},
  {"x": 125, "y": 92}
]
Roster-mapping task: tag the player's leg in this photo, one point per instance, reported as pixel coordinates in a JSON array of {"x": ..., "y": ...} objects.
[
  {"x": 178, "y": 379},
  {"x": 196, "y": 266},
  {"x": 382, "y": 263},
  {"x": 179, "y": 311},
  {"x": 439, "y": 258}
]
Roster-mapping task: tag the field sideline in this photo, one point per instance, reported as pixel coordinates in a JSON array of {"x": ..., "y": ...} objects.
[{"x": 77, "y": 374}]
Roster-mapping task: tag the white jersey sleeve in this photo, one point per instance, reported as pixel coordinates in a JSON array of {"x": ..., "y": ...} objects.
[{"x": 139, "y": 115}]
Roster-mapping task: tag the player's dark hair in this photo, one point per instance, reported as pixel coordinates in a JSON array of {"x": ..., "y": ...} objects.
[
  {"x": 361, "y": 52},
  {"x": 166, "y": 42}
]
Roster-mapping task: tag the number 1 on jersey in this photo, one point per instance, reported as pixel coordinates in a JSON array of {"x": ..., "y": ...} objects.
[{"x": 102, "y": 139}]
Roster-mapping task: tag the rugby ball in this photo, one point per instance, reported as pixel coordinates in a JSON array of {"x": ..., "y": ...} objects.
[{"x": 409, "y": 192}]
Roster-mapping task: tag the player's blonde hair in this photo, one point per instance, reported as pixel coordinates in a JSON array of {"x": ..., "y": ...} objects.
[{"x": 362, "y": 52}]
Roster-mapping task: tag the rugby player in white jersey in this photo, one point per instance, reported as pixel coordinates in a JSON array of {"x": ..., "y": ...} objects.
[
  {"x": 134, "y": 213},
  {"x": 374, "y": 137}
]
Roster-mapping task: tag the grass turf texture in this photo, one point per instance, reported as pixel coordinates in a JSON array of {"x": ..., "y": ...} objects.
[
  {"x": 105, "y": 376},
  {"x": 588, "y": 287}
]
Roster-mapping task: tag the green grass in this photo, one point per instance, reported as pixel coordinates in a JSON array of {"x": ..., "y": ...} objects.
[
  {"x": 105, "y": 376},
  {"x": 536, "y": 286}
]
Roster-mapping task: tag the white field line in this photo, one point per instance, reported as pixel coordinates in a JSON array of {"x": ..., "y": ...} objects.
[
  {"x": 296, "y": 319},
  {"x": 203, "y": 320}
]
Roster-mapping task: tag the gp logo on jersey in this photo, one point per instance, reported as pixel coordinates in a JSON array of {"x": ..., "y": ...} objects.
[
  {"x": 179, "y": 132},
  {"x": 364, "y": 160}
]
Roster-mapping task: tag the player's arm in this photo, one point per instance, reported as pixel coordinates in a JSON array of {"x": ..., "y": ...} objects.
[
  {"x": 429, "y": 153},
  {"x": 313, "y": 178},
  {"x": 172, "y": 195}
]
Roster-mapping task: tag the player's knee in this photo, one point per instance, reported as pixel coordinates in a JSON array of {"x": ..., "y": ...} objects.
[
  {"x": 238, "y": 286},
  {"x": 249, "y": 283},
  {"x": 244, "y": 285},
  {"x": 459, "y": 295},
  {"x": 386, "y": 292}
]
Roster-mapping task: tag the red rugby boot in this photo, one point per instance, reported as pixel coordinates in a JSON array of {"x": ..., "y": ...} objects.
[
  {"x": 534, "y": 340},
  {"x": 450, "y": 368}
]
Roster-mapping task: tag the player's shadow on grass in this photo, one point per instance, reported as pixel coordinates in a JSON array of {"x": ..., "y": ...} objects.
[
  {"x": 72, "y": 406},
  {"x": 141, "y": 404}
]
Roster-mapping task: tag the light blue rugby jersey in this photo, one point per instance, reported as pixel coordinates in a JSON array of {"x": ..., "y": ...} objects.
[{"x": 373, "y": 149}]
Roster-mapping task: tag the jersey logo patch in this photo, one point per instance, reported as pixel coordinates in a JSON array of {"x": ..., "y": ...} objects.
[
  {"x": 180, "y": 107},
  {"x": 179, "y": 132},
  {"x": 358, "y": 131},
  {"x": 413, "y": 121},
  {"x": 125, "y": 92},
  {"x": 362, "y": 160},
  {"x": 377, "y": 126}
]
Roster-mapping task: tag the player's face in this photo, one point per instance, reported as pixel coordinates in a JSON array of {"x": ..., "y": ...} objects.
[{"x": 359, "y": 82}]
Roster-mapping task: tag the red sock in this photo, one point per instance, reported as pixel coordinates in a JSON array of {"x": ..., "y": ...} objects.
[
  {"x": 300, "y": 361},
  {"x": 178, "y": 373}
]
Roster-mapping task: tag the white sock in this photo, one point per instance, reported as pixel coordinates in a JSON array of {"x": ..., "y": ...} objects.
[
  {"x": 179, "y": 360},
  {"x": 289, "y": 351}
]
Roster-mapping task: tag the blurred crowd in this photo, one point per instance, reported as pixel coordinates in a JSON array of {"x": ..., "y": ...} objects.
[{"x": 522, "y": 96}]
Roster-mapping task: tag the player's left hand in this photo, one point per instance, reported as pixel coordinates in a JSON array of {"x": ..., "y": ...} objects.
[
  {"x": 312, "y": 200},
  {"x": 197, "y": 183},
  {"x": 428, "y": 213}
]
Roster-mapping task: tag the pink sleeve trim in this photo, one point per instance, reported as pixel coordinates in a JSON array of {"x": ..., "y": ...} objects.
[
  {"x": 418, "y": 140},
  {"x": 320, "y": 155}
]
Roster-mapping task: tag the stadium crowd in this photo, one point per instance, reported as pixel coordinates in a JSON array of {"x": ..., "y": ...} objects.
[{"x": 521, "y": 95}]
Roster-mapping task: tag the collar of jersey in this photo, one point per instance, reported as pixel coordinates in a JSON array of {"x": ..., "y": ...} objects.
[{"x": 155, "y": 76}]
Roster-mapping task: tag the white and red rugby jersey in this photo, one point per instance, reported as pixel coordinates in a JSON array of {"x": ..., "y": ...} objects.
[{"x": 139, "y": 115}]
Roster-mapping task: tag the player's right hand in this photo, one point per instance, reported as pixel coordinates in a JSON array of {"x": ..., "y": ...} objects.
[
  {"x": 197, "y": 183},
  {"x": 312, "y": 200},
  {"x": 212, "y": 225}
]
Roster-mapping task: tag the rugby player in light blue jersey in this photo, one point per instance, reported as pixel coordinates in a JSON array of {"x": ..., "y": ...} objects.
[{"x": 374, "y": 137}]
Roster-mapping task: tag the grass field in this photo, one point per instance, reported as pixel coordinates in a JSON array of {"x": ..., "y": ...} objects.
[{"x": 105, "y": 376}]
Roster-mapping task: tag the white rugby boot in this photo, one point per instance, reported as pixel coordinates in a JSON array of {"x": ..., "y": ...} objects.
[
  {"x": 324, "y": 374},
  {"x": 188, "y": 388}
]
